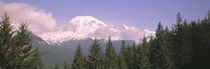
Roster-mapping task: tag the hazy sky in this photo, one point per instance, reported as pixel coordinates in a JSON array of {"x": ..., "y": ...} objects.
[{"x": 139, "y": 13}]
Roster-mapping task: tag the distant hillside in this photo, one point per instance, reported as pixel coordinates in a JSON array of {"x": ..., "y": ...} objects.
[
  {"x": 52, "y": 55},
  {"x": 60, "y": 52}
]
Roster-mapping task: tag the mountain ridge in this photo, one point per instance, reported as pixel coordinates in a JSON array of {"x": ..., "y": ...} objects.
[{"x": 83, "y": 27}]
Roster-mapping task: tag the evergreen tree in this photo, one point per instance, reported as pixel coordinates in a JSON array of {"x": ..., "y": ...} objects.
[
  {"x": 78, "y": 62},
  {"x": 185, "y": 42},
  {"x": 15, "y": 49},
  {"x": 22, "y": 47},
  {"x": 169, "y": 62},
  {"x": 200, "y": 43},
  {"x": 85, "y": 59},
  {"x": 138, "y": 57},
  {"x": 142, "y": 56},
  {"x": 35, "y": 61},
  {"x": 178, "y": 20},
  {"x": 134, "y": 56},
  {"x": 130, "y": 57},
  {"x": 122, "y": 57},
  {"x": 176, "y": 41},
  {"x": 134, "y": 47},
  {"x": 95, "y": 56},
  {"x": 162, "y": 56},
  {"x": 111, "y": 56},
  {"x": 181, "y": 42},
  {"x": 6, "y": 40},
  {"x": 123, "y": 49},
  {"x": 121, "y": 62}
]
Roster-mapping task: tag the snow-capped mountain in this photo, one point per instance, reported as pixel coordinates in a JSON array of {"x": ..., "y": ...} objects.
[
  {"x": 82, "y": 30},
  {"x": 83, "y": 27}
]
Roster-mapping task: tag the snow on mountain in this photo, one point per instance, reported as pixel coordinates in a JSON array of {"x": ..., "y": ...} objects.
[
  {"x": 84, "y": 24},
  {"x": 82, "y": 27},
  {"x": 149, "y": 32},
  {"x": 123, "y": 27}
]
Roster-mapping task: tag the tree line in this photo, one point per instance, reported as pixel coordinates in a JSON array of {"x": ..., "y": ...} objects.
[
  {"x": 16, "y": 48},
  {"x": 185, "y": 46}
]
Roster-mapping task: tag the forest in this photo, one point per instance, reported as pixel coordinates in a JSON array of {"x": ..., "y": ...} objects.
[{"x": 184, "y": 46}]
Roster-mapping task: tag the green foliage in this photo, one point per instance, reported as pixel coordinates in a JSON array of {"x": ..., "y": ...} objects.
[
  {"x": 122, "y": 57},
  {"x": 78, "y": 62},
  {"x": 16, "y": 49},
  {"x": 162, "y": 55},
  {"x": 178, "y": 20},
  {"x": 35, "y": 61},
  {"x": 95, "y": 56},
  {"x": 130, "y": 57},
  {"x": 186, "y": 46},
  {"x": 181, "y": 43},
  {"x": 22, "y": 47},
  {"x": 6, "y": 42},
  {"x": 142, "y": 59},
  {"x": 123, "y": 49},
  {"x": 121, "y": 62},
  {"x": 110, "y": 56}
]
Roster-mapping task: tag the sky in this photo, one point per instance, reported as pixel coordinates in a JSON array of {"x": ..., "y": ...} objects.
[{"x": 144, "y": 14}]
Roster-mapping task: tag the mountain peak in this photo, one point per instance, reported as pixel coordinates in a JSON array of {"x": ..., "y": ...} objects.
[
  {"x": 124, "y": 27},
  {"x": 82, "y": 27},
  {"x": 86, "y": 20}
]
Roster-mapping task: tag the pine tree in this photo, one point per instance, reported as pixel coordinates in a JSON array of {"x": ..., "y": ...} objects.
[
  {"x": 78, "y": 62},
  {"x": 178, "y": 20},
  {"x": 134, "y": 56},
  {"x": 200, "y": 43},
  {"x": 35, "y": 61},
  {"x": 142, "y": 56},
  {"x": 176, "y": 36},
  {"x": 162, "y": 56},
  {"x": 111, "y": 56},
  {"x": 6, "y": 40},
  {"x": 185, "y": 42},
  {"x": 15, "y": 49},
  {"x": 121, "y": 62},
  {"x": 22, "y": 47},
  {"x": 123, "y": 49},
  {"x": 134, "y": 47},
  {"x": 169, "y": 62},
  {"x": 181, "y": 42},
  {"x": 138, "y": 57},
  {"x": 122, "y": 57},
  {"x": 85, "y": 59},
  {"x": 95, "y": 56},
  {"x": 130, "y": 57}
]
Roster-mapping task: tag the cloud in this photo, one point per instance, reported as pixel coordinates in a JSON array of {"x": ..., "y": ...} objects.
[
  {"x": 43, "y": 24},
  {"x": 38, "y": 20},
  {"x": 82, "y": 27},
  {"x": 122, "y": 32}
]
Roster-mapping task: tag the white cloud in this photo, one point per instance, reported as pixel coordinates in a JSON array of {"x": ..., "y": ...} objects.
[
  {"x": 43, "y": 24},
  {"x": 82, "y": 27},
  {"x": 122, "y": 32},
  {"x": 38, "y": 20}
]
